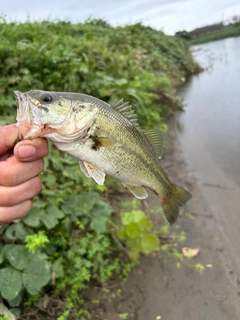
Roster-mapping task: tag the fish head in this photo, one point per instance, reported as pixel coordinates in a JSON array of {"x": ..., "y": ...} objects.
[{"x": 53, "y": 115}]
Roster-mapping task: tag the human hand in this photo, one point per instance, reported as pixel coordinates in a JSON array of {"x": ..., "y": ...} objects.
[{"x": 19, "y": 170}]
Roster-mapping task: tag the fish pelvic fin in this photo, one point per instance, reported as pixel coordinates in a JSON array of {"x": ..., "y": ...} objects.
[
  {"x": 96, "y": 173},
  {"x": 171, "y": 204},
  {"x": 83, "y": 169}
]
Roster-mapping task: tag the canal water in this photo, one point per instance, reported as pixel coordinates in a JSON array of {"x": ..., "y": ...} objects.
[
  {"x": 209, "y": 135},
  {"x": 212, "y": 104}
]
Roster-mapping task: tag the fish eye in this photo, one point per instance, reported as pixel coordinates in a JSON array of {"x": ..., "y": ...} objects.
[{"x": 46, "y": 98}]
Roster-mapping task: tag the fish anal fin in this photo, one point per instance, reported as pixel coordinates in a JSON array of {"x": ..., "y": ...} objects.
[
  {"x": 126, "y": 110},
  {"x": 97, "y": 174},
  {"x": 156, "y": 139},
  {"x": 104, "y": 142},
  {"x": 138, "y": 191}
]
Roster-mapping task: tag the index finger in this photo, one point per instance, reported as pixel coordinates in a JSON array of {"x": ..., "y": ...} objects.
[{"x": 8, "y": 137}]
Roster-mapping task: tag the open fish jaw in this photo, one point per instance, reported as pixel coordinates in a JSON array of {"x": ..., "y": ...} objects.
[{"x": 32, "y": 124}]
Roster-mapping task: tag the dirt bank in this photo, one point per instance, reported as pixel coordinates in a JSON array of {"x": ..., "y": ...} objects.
[{"x": 157, "y": 289}]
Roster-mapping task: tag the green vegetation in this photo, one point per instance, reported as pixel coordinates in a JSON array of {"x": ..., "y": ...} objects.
[
  {"x": 213, "y": 32},
  {"x": 76, "y": 232},
  {"x": 135, "y": 62},
  {"x": 227, "y": 32},
  {"x": 135, "y": 230}
]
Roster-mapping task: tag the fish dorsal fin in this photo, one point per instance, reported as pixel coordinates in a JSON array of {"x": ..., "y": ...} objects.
[
  {"x": 155, "y": 138},
  {"x": 126, "y": 110}
]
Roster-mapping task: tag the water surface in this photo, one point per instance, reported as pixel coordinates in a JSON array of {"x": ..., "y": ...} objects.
[
  {"x": 210, "y": 127},
  {"x": 209, "y": 134}
]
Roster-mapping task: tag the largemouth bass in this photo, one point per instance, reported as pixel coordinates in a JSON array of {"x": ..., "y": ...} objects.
[{"x": 105, "y": 138}]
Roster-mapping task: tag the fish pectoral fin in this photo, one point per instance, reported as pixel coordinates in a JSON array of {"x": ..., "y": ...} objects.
[
  {"x": 97, "y": 174},
  {"x": 83, "y": 169},
  {"x": 138, "y": 191},
  {"x": 104, "y": 142}
]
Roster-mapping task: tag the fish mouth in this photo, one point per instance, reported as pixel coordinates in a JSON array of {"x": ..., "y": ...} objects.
[
  {"x": 29, "y": 123},
  {"x": 28, "y": 117},
  {"x": 22, "y": 106},
  {"x": 28, "y": 111}
]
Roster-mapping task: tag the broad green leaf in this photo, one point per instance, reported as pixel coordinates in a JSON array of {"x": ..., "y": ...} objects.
[
  {"x": 18, "y": 299},
  {"x": 99, "y": 216},
  {"x": 80, "y": 205},
  {"x": 10, "y": 283},
  {"x": 39, "y": 204},
  {"x": 99, "y": 225},
  {"x": 129, "y": 217},
  {"x": 36, "y": 275},
  {"x": 146, "y": 224},
  {"x": 134, "y": 245},
  {"x": 19, "y": 256},
  {"x": 6, "y": 248},
  {"x": 102, "y": 209},
  {"x": 16, "y": 231},
  {"x": 50, "y": 218},
  {"x": 133, "y": 230},
  {"x": 33, "y": 219},
  {"x": 55, "y": 211},
  {"x": 150, "y": 243}
]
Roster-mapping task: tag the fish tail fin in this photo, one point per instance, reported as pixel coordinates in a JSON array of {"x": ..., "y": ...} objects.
[{"x": 171, "y": 204}]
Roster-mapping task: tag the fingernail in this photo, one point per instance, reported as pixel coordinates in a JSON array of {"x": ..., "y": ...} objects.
[{"x": 26, "y": 151}]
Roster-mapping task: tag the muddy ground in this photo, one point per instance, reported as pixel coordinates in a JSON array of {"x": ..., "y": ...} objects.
[{"x": 157, "y": 289}]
